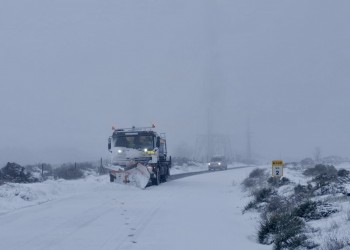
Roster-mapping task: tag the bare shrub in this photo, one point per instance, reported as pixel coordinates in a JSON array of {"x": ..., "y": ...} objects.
[
  {"x": 263, "y": 194},
  {"x": 278, "y": 182},
  {"x": 43, "y": 170},
  {"x": 302, "y": 192},
  {"x": 278, "y": 203},
  {"x": 343, "y": 173},
  {"x": 260, "y": 196},
  {"x": 321, "y": 169},
  {"x": 249, "y": 183},
  {"x": 326, "y": 184},
  {"x": 255, "y": 179},
  {"x": 14, "y": 172},
  {"x": 312, "y": 210},
  {"x": 284, "y": 230},
  {"x": 257, "y": 173},
  {"x": 249, "y": 206},
  {"x": 306, "y": 210}
]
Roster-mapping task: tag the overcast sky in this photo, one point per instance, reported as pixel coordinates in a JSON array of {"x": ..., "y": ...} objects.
[{"x": 70, "y": 69}]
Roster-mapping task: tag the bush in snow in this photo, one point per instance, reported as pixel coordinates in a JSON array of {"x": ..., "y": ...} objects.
[
  {"x": 321, "y": 169},
  {"x": 255, "y": 179},
  {"x": 343, "y": 173},
  {"x": 257, "y": 173},
  {"x": 14, "y": 172},
  {"x": 306, "y": 210},
  {"x": 68, "y": 172},
  {"x": 259, "y": 196},
  {"x": 277, "y": 203},
  {"x": 278, "y": 182},
  {"x": 41, "y": 171},
  {"x": 287, "y": 229},
  {"x": 263, "y": 194},
  {"x": 302, "y": 192},
  {"x": 284, "y": 230}
]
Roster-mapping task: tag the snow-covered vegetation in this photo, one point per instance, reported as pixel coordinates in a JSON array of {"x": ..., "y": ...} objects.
[{"x": 307, "y": 208}]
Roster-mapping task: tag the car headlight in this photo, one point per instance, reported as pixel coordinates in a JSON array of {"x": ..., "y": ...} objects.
[
  {"x": 209, "y": 164},
  {"x": 219, "y": 163},
  {"x": 120, "y": 151}
]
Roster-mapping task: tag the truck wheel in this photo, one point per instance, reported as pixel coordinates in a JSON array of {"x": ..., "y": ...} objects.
[
  {"x": 164, "y": 177},
  {"x": 156, "y": 180},
  {"x": 111, "y": 178}
]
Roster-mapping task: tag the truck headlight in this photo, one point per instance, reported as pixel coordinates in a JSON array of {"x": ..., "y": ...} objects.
[{"x": 120, "y": 151}]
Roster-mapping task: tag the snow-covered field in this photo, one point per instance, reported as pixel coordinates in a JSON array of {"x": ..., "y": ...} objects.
[
  {"x": 327, "y": 233},
  {"x": 197, "y": 212},
  {"x": 335, "y": 227}
]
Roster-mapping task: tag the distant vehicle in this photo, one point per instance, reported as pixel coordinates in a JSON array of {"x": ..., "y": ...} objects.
[{"x": 217, "y": 163}]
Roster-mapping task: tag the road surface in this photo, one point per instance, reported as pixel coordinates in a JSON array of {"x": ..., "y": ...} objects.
[{"x": 198, "y": 212}]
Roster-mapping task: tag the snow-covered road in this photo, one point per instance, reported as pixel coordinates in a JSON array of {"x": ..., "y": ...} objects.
[{"x": 197, "y": 212}]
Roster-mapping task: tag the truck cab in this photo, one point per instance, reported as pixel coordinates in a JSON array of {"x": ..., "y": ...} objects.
[{"x": 134, "y": 146}]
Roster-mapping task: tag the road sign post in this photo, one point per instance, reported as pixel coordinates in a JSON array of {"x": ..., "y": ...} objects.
[{"x": 277, "y": 168}]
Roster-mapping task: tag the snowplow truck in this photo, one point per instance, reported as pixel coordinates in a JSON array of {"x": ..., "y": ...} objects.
[{"x": 138, "y": 157}]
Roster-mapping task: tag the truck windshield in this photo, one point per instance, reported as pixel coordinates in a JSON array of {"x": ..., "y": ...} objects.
[{"x": 134, "y": 141}]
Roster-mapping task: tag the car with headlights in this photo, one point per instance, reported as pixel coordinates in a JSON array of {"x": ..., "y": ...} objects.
[{"x": 217, "y": 163}]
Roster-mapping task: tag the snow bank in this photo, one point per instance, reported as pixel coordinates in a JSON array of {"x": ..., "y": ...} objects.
[{"x": 18, "y": 195}]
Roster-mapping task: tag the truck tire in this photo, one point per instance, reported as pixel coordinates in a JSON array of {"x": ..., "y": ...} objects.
[
  {"x": 111, "y": 178},
  {"x": 156, "y": 180},
  {"x": 164, "y": 177}
]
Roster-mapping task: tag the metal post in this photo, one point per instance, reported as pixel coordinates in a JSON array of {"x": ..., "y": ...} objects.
[
  {"x": 42, "y": 171},
  {"x": 101, "y": 168}
]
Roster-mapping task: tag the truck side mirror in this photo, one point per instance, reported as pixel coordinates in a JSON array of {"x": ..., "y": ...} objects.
[
  {"x": 158, "y": 142},
  {"x": 109, "y": 143}
]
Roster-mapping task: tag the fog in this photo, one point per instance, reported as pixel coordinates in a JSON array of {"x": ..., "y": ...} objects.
[{"x": 69, "y": 70}]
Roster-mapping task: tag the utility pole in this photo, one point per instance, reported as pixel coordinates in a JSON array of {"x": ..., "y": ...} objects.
[{"x": 249, "y": 146}]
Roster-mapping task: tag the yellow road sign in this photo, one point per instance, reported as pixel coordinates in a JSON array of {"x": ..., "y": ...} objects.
[
  {"x": 277, "y": 171},
  {"x": 277, "y": 163},
  {"x": 277, "y": 168}
]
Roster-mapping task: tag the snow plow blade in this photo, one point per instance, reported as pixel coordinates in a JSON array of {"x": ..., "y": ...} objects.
[{"x": 138, "y": 176}]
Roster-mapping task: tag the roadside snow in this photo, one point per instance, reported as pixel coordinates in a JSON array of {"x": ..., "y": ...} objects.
[
  {"x": 19, "y": 195},
  {"x": 197, "y": 212},
  {"x": 331, "y": 232}
]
